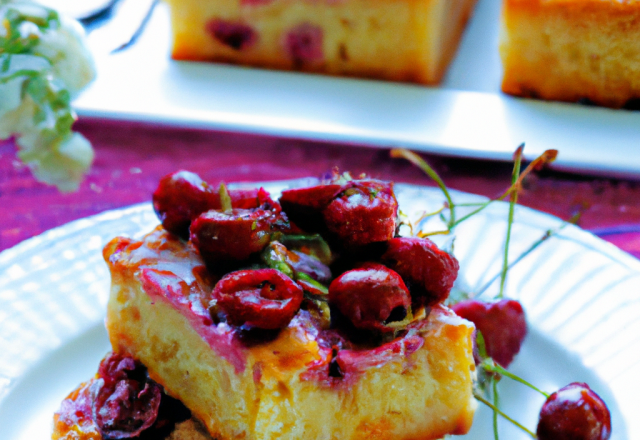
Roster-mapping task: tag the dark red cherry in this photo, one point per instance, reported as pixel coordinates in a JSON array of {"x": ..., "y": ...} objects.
[
  {"x": 303, "y": 44},
  {"x": 181, "y": 197},
  {"x": 364, "y": 212},
  {"x": 502, "y": 324},
  {"x": 371, "y": 297},
  {"x": 127, "y": 402},
  {"x": 574, "y": 412},
  {"x": 237, "y": 36},
  {"x": 228, "y": 236},
  {"x": 428, "y": 271},
  {"x": 304, "y": 205},
  {"x": 263, "y": 298}
]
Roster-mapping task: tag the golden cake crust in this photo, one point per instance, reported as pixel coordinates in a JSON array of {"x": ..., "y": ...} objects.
[
  {"x": 571, "y": 50},
  {"x": 280, "y": 389},
  {"x": 399, "y": 40}
]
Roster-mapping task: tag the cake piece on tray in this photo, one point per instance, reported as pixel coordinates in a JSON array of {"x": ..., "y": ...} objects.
[
  {"x": 398, "y": 40},
  {"x": 572, "y": 50},
  {"x": 264, "y": 332}
]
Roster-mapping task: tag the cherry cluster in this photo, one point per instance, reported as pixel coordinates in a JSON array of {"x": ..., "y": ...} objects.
[
  {"x": 266, "y": 273},
  {"x": 334, "y": 247}
]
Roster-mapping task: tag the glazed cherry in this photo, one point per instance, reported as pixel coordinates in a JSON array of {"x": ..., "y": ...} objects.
[
  {"x": 304, "y": 206},
  {"x": 127, "y": 403},
  {"x": 371, "y": 297},
  {"x": 364, "y": 212},
  {"x": 574, "y": 412},
  {"x": 263, "y": 298},
  {"x": 225, "y": 237},
  {"x": 181, "y": 197},
  {"x": 502, "y": 324},
  {"x": 428, "y": 271}
]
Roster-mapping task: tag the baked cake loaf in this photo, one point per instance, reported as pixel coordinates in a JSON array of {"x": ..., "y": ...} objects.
[
  {"x": 231, "y": 318},
  {"x": 399, "y": 40},
  {"x": 415, "y": 387},
  {"x": 572, "y": 50}
]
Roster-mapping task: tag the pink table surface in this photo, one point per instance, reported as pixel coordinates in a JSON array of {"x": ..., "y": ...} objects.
[{"x": 130, "y": 158}]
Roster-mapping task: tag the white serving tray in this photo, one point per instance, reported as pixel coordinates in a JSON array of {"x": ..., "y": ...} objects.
[{"x": 467, "y": 116}]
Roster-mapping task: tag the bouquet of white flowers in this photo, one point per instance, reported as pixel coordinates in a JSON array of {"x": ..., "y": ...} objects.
[{"x": 43, "y": 65}]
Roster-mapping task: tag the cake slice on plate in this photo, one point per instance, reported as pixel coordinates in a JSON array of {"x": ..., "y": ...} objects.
[
  {"x": 572, "y": 50},
  {"x": 398, "y": 40},
  {"x": 283, "y": 339}
]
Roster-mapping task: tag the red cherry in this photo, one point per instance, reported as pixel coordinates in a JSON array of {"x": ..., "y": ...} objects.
[
  {"x": 371, "y": 297},
  {"x": 237, "y": 36},
  {"x": 502, "y": 324},
  {"x": 303, "y": 44},
  {"x": 304, "y": 205},
  {"x": 263, "y": 298},
  {"x": 127, "y": 402},
  {"x": 364, "y": 212},
  {"x": 574, "y": 412},
  {"x": 232, "y": 236},
  {"x": 428, "y": 271},
  {"x": 181, "y": 197}
]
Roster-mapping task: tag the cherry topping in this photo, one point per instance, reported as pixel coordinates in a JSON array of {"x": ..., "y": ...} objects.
[
  {"x": 364, "y": 212},
  {"x": 237, "y": 36},
  {"x": 126, "y": 403},
  {"x": 371, "y": 297},
  {"x": 428, "y": 271},
  {"x": 574, "y": 412},
  {"x": 303, "y": 44},
  {"x": 263, "y": 298},
  {"x": 225, "y": 237},
  {"x": 304, "y": 205},
  {"x": 181, "y": 197},
  {"x": 502, "y": 324}
]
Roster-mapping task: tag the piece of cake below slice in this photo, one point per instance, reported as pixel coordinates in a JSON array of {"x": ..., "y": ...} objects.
[
  {"x": 572, "y": 50},
  {"x": 288, "y": 385},
  {"x": 399, "y": 40},
  {"x": 74, "y": 420}
]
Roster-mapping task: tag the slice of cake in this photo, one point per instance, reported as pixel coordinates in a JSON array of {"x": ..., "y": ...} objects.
[
  {"x": 261, "y": 331},
  {"x": 572, "y": 50},
  {"x": 399, "y": 40},
  {"x": 417, "y": 386}
]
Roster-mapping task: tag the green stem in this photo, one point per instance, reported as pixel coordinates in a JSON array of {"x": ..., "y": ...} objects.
[
  {"x": 225, "y": 198},
  {"x": 424, "y": 166},
  {"x": 496, "y": 409},
  {"x": 506, "y": 417},
  {"x": 495, "y": 368},
  {"x": 549, "y": 233},
  {"x": 512, "y": 203}
]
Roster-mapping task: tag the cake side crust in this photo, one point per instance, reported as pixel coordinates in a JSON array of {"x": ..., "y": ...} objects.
[{"x": 572, "y": 50}]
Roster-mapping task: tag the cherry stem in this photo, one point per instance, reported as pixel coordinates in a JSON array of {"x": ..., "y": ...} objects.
[
  {"x": 548, "y": 234},
  {"x": 496, "y": 407},
  {"x": 512, "y": 203},
  {"x": 491, "y": 366},
  {"x": 225, "y": 198},
  {"x": 424, "y": 166},
  {"x": 480, "y": 398}
]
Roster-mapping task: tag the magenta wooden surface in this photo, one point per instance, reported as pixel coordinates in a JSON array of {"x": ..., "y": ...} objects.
[{"x": 130, "y": 158}]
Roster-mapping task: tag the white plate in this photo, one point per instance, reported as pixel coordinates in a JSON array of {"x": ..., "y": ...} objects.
[
  {"x": 467, "y": 116},
  {"x": 581, "y": 296}
]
